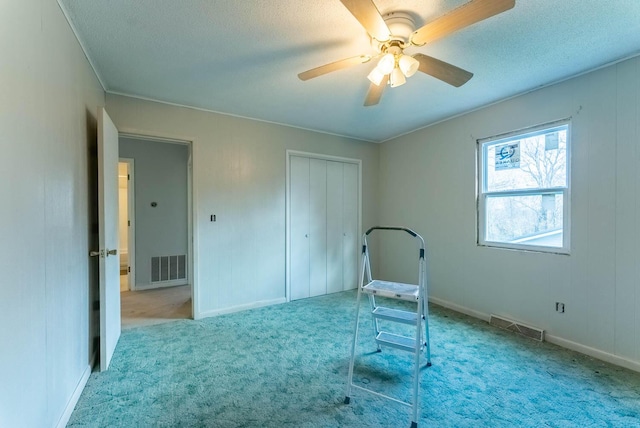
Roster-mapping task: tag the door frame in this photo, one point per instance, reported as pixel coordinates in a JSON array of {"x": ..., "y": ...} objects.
[
  {"x": 289, "y": 155},
  {"x": 192, "y": 225},
  {"x": 131, "y": 213}
]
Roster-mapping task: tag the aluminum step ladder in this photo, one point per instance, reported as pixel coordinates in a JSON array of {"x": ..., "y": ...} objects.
[{"x": 420, "y": 318}]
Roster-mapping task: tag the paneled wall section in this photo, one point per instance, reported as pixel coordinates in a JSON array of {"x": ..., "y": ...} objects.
[
  {"x": 48, "y": 101},
  {"x": 239, "y": 175},
  {"x": 599, "y": 282}
]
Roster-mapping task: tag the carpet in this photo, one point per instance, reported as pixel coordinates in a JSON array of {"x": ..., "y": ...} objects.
[{"x": 286, "y": 366}]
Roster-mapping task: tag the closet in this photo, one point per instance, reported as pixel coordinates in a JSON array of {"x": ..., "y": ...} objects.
[{"x": 323, "y": 225}]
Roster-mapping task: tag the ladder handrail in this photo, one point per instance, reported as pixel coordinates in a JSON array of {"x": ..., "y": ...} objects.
[{"x": 404, "y": 229}]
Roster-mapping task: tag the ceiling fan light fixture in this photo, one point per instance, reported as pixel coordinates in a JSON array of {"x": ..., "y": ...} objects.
[
  {"x": 376, "y": 76},
  {"x": 397, "y": 78},
  {"x": 408, "y": 65},
  {"x": 394, "y": 32},
  {"x": 386, "y": 64}
]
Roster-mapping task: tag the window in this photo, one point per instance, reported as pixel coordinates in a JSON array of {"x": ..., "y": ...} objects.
[{"x": 523, "y": 197}]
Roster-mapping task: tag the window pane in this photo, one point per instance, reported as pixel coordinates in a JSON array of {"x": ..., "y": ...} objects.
[
  {"x": 533, "y": 161},
  {"x": 527, "y": 220}
]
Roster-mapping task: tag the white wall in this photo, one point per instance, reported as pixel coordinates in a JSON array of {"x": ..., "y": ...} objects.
[
  {"x": 161, "y": 177},
  {"x": 239, "y": 175},
  {"x": 48, "y": 101},
  {"x": 428, "y": 181}
]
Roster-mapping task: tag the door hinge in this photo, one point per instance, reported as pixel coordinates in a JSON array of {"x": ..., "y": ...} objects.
[
  {"x": 128, "y": 222},
  {"x": 129, "y": 269},
  {"x": 128, "y": 177}
]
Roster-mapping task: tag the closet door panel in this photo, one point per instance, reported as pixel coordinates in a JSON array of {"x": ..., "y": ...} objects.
[
  {"x": 350, "y": 231},
  {"x": 334, "y": 226},
  {"x": 317, "y": 227},
  {"x": 299, "y": 245}
]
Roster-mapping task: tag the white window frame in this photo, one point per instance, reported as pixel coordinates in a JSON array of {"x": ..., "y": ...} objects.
[{"x": 483, "y": 194}]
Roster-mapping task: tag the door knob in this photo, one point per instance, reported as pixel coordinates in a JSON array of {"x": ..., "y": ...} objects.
[
  {"x": 94, "y": 253},
  {"x": 112, "y": 252}
]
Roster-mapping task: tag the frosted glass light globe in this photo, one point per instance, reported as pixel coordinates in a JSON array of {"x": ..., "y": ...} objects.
[
  {"x": 409, "y": 65},
  {"x": 386, "y": 64}
]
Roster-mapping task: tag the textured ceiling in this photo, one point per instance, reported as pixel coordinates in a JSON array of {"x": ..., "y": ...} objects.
[{"x": 243, "y": 57}]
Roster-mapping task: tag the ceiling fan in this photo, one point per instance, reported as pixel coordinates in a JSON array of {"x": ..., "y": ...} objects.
[{"x": 394, "y": 32}]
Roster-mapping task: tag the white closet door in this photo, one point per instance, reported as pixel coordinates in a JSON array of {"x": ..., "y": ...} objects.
[
  {"x": 299, "y": 226},
  {"x": 350, "y": 226},
  {"x": 334, "y": 226},
  {"x": 317, "y": 227}
]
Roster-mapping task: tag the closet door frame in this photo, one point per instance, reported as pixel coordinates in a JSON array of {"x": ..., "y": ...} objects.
[{"x": 289, "y": 155}]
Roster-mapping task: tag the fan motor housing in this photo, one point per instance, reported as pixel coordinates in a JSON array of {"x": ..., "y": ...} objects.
[{"x": 401, "y": 25}]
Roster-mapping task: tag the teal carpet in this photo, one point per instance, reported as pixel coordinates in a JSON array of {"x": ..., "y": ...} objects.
[{"x": 286, "y": 366}]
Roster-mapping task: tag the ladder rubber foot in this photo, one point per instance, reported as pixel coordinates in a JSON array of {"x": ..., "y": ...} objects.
[
  {"x": 429, "y": 364},
  {"x": 414, "y": 425},
  {"x": 347, "y": 400}
]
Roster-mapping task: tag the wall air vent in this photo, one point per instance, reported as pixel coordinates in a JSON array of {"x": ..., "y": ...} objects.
[
  {"x": 168, "y": 268},
  {"x": 525, "y": 330}
]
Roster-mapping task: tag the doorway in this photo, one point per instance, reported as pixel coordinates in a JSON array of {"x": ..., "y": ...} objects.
[
  {"x": 126, "y": 219},
  {"x": 156, "y": 249}
]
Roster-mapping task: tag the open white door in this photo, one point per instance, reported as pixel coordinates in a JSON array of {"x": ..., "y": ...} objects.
[{"x": 108, "y": 231}]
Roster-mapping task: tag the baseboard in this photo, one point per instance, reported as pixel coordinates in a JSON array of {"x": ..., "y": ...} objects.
[
  {"x": 232, "y": 309},
  {"x": 153, "y": 286},
  {"x": 66, "y": 415},
  {"x": 461, "y": 309},
  {"x": 593, "y": 352},
  {"x": 583, "y": 349}
]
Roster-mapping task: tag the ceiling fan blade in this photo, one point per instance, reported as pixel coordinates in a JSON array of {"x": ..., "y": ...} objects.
[
  {"x": 465, "y": 15},
  {"x": 334, "y": 66},
  {"x": 375, "y": 92},
  {"x": 442, "y": 70},
  {"x": 366, "y": 12}
]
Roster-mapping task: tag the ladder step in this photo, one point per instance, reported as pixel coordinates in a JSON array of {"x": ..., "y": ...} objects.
[
  {"x": 395, "y": 315},
  {"x": 394, "y": 290},
  {"x": 396, "y": 341}
]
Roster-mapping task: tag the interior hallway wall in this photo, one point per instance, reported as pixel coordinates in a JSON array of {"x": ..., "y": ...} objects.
[
  {"x": 49, "y": 96},
  {"x": 428, "y": 181},
  {"x": 239, "y": 168},
  {"x": 161, "y": 177}
]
